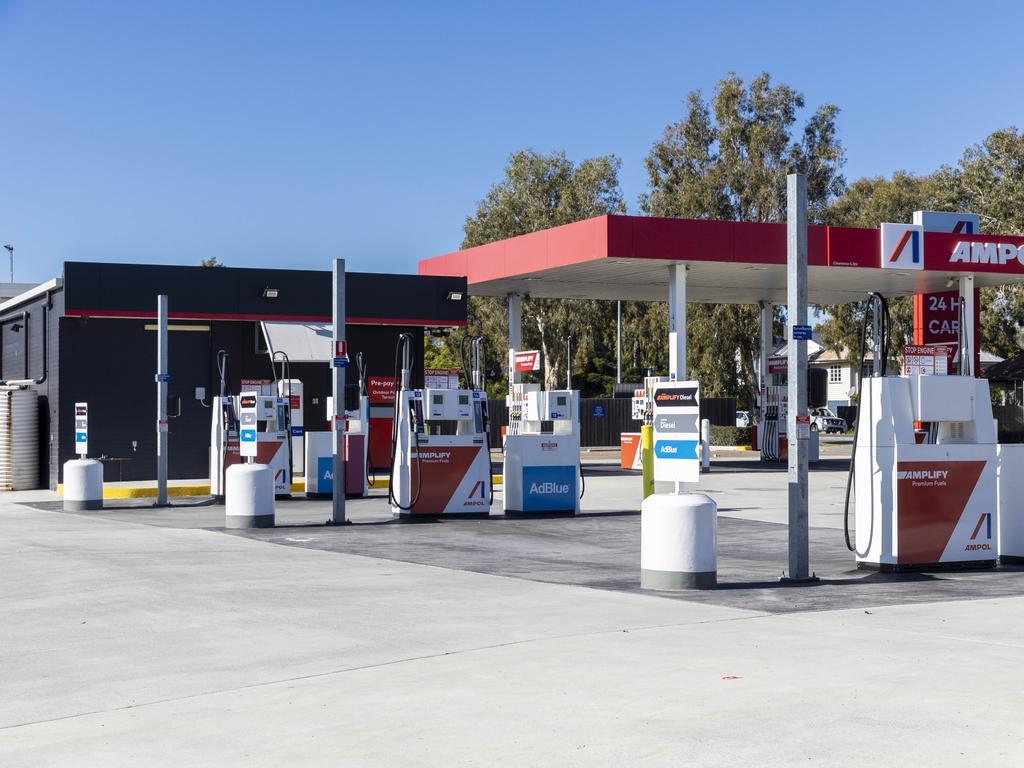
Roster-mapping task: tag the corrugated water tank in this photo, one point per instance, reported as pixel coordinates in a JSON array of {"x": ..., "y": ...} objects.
[{"x": 19, "y": 439}]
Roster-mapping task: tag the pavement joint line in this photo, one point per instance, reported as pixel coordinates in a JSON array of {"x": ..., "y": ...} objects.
[{"x": 384, "y": 664}]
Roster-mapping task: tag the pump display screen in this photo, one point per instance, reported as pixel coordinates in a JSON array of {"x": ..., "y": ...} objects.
[
  {"x": 560, "y": 399},
  {"x": 438, "y": 399},
  {"x": 463, "y": 399},
  {"x": 248, "y": 401}
]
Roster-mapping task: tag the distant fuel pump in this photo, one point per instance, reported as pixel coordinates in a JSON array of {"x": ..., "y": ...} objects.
[
  {"x": 542, "y": 468},
  {"x": 441, "y": 464},
  {"x": 272, "y": 429}
]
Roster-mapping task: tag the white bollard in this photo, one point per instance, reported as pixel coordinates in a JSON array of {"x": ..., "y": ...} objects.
[
  {"x": 83, "y": 484},
  {"x": 249, "y": 496},
  {"x": 678, "y": 542},
  {"x": 705, "y": 445}
]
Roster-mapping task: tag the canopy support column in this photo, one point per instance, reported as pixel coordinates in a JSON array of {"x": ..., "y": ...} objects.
[
  {"x": 767, "y": 316},
  {"x": 677, "y": 322}
]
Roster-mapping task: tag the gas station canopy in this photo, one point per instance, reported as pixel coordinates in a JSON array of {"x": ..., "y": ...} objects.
[{"x": 625, "y": 257}]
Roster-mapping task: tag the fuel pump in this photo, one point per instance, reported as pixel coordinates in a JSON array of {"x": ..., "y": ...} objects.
[
  {"x": 924, "y": 498},
  {"x": 543, "y": 473},
  {"x": 319, "y": 460},
  {"x": 771, "y": 431},
  {"x": 440, "y": 462},
  {"x": 273, "y": 432}
]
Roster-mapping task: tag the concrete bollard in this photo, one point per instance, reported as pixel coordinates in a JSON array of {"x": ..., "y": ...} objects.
[
  {"x": 678, "y": 542},
  {"x": 249, "y": 496},
  {"x": 83, "y": 485}
]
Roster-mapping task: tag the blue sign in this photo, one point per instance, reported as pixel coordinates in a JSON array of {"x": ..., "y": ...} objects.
[
  {"x": 247, "y": 435},
  {"x": 298, "y": 431},
  {"x": 549, "y": 489},
  {"x": 675, "y": 449},
  {"x": 598, "y": 411},
  {"x": 340, "y": 362},
  {"x": 325, "y": 474},
  {"x": 162, "y": 378},
  {"x": 801, "y": 333},
  {"x": 81, "y": 437}
]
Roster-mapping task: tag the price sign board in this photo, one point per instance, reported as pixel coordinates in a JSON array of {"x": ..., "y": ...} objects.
[
  {"x": 677, "y": 431},
  {"x": 81, "y": 428},
  {"x": 247, "y": 445}
]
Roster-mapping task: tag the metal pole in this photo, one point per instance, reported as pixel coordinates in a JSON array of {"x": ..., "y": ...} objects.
[
  {"x": 796, "y": 290},
  {"x": 338, "y": 397},
  {"x": 618, "y": 342},
  {"x": 677, "y": 322},
  {"x": 162, "y": 377},
  {"x": 515, "y": 334},
  {"x": 967, "y": 353},
  {"x": 568, "y": 362}
]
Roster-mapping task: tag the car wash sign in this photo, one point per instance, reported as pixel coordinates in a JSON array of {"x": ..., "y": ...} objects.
[{"x": 677, "y": 431}]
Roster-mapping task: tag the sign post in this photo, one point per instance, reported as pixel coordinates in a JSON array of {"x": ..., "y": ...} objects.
[
  {"x": 798, "y": 429},
  {"x": 338, "y": 393},
  {"x": 82, "y": 429},
  {"x": 162, "y": 378},
  {"x": 677, "y": 432},
  {"x": 247, "y": 441}
]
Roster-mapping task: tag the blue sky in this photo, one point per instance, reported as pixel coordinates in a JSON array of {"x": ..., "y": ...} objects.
[{"x": 284, "y": 134}]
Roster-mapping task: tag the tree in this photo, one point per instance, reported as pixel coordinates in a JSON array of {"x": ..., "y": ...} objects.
[
  {"x": 728, "y": 159},
  {"x": 211, "y": 262},
  {"x": 540, "y": 191},
  {"x": 988, "y": 180}
]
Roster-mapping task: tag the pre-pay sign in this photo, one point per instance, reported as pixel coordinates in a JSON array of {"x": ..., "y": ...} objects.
[{"x": 677, "y": 431}]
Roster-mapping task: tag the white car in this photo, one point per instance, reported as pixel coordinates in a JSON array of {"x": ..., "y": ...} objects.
[
  {"x": 742, "y": 419},
  {"x": 823, "y": 420}
]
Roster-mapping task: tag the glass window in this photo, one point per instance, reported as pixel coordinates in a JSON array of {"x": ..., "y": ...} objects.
[{"x": 835, "y": 374}]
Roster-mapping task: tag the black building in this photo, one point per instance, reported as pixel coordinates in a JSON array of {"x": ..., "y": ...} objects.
[{"x": 91, "y": 336}]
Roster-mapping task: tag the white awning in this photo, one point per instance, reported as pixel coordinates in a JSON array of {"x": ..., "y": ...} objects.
[{"x": 302, "y": 342}]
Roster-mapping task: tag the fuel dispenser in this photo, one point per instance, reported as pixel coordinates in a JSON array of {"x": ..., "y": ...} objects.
[
  {"x": 771, "y": 430},
  {"x": 272, "y": 435},
  {"x": 319, "y": 460},
  {"x": 441, "y": 463},
  {"x": 542, "y": 468},
  {"x": 925, "y": 498}
]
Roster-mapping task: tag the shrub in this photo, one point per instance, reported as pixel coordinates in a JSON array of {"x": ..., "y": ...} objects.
[{"x": 730, "y": 435}]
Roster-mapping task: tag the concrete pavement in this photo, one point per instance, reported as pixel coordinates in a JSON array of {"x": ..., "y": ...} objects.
[{"x": 137, "y": 638}]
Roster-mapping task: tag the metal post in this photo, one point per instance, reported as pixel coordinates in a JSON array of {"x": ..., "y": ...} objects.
[
  {"x": 162, "y": 376},
  {"x": 677, "y": 328},
  {"x": 338, "y": 396},
  {"x": 515, "y": 334},
  {"x": 677, "y": 322},
  {"x": 767, "y": 315},
  {"x": 618, "y": 342},
  {"x": 568, "y": 362},
  {"x": 796, "y": 291},
  {"x": 967, "y": 353}
]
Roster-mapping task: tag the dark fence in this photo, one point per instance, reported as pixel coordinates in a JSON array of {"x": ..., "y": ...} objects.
[
  {"x": 1011, "y": 423},
  {"x": 604, "y": 419}
]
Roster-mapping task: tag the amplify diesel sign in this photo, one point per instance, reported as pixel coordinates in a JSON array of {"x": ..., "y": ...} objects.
[{"x": 676, "y": 431}]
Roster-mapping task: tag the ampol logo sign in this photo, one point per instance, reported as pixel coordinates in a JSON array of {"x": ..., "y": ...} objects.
[
  {"x": 549, "y": 489},
  {"x": 902, "y": 246},
  {"x": 970, "y": 252}
]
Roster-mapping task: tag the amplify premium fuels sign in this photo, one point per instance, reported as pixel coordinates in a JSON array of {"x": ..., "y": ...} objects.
[{"x": 677, "y": 431}]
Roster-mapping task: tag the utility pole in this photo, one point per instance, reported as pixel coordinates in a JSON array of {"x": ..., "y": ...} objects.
[{"x": 10, "y": 250}]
